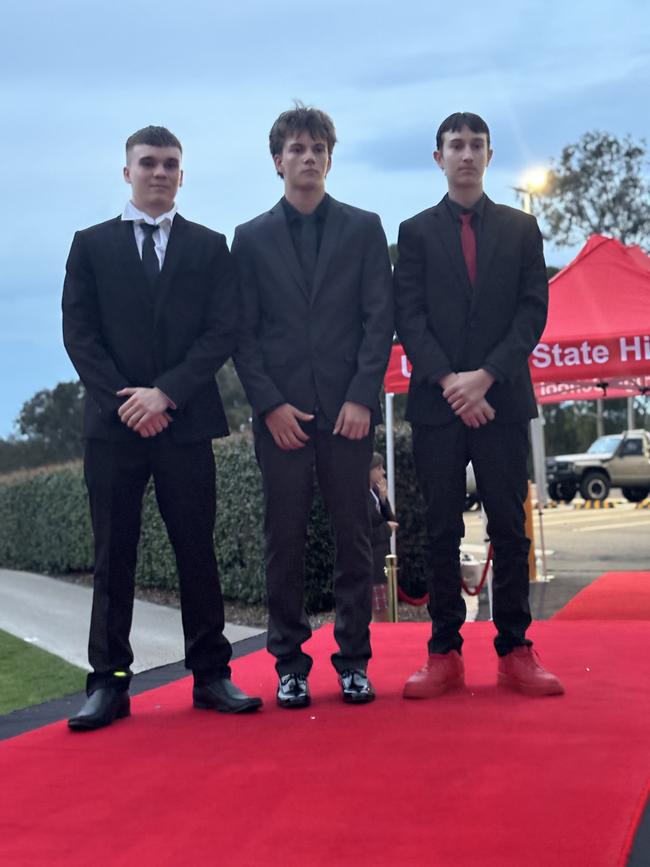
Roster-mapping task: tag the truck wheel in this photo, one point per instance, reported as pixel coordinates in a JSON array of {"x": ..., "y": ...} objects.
[
  {"x": 635, "y": 495},
  {"x": 594, "y": 485},
  {"x": 554, "y": 491},
  {"x": 567, "y": 491}
]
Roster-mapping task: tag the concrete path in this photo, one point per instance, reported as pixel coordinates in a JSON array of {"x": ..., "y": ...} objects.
[{"x": 55, "y": 615}]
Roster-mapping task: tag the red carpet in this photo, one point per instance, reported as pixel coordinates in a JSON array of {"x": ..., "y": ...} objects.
[
  {"x": 613, "y": 596},
  {"x": 482, "y": 777}
]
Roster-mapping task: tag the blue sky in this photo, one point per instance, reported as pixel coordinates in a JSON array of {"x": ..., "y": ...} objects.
[{"x": 76, "y": 78}]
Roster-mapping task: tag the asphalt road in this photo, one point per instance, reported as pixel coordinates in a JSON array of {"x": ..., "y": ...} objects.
[{"x": 580, "y": 546}]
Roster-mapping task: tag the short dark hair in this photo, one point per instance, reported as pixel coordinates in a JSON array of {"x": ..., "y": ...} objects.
[
  {"x": 456, "y": 121},
  {"x": 301, "y": 119},
  {"x": 376, "y": 460},
  {"x": 156, "y": 136}
]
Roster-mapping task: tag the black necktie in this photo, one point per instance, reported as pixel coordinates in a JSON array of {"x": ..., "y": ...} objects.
[
  {"x": 149, "y": 256},
  {"x": 309, "y": 248}
]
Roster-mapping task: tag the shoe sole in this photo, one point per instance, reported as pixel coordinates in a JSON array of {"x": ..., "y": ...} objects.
[
  {"x": 416, "y": 692},
  {"x": 505, "y": 683},
  {"x": 365, "y": 699},
  {"x": 293, "y": 705},
  {"x": 81, "y": 726},
  {"x": 247, "y": 707}
]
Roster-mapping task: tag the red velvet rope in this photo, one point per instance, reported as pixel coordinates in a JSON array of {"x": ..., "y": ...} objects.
[
  {"x": 409, "y": 599},
  {"x": 479, "y": 587},
  {"x": 403, "y": 597}
]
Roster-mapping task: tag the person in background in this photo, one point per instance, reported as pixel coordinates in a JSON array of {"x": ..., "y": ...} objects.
[{"x": 382, "y": 526}]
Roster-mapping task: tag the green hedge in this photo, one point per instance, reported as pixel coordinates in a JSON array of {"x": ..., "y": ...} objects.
[{"x": 45, "y": 527}]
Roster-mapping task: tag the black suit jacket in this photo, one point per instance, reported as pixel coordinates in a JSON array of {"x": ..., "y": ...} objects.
[
  {"x": 119, "y": 331},
  {"x": 447, "y": 325},
  {"x": 322, "y": 348},
  {"x": 380, "y": 532}
]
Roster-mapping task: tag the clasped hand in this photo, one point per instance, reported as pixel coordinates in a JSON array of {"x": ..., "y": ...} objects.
[
  {"x": 145, "y": 411},
  {"x": 465, "y": 394}
]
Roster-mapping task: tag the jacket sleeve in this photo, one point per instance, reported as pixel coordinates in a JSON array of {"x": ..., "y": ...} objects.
[
  {"x": 377, "y": 313},
  {"x": 507, "y": 358},
  {"x": 387, "y": 510},
  {"x": 82, "y": 330},
  {"x": 425, "y": 353},
  {"x": 216, "y": 342},
  {"x": 260, "y": 389}
]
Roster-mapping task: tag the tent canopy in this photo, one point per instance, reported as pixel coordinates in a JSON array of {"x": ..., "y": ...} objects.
[{"x": 597, "y": 338}]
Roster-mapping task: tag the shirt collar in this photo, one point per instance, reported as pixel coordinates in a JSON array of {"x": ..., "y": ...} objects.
[
  {"x": 130, "y": 212},
  {"x": 456, "y": 209},
  {"x": 293, "y": 214}
]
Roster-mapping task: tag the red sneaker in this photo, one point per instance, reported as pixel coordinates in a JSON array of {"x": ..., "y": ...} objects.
[
  {"x": 521, "y": 670},
  {"x": 442, "y": 672}
]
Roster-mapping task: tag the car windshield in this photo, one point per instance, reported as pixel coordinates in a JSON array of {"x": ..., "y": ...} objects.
[{"x": 604, "y": 445}]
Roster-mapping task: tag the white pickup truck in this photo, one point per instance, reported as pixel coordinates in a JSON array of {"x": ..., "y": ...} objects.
[{"x": 613, "y": 461}]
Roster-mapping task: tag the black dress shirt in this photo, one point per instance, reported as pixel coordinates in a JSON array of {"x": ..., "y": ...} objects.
[
  {"x": 477, "y": 219},
  {"x": 296, "y": 221}
]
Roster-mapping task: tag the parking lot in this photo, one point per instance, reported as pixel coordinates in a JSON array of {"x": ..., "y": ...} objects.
[{"x": 580, "y": 545}]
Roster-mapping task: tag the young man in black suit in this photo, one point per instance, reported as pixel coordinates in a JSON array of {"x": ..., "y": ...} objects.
[
  {"x": 471, "y": 300},
  {"x": 316, "y": 332},
  {"x": 149, "y": 316}
]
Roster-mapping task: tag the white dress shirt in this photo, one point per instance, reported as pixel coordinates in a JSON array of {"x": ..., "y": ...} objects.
[{"x": 160, "y": 236}]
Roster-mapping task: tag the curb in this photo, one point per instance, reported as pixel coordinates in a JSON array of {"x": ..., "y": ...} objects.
[{"x": 594, "y": 504}]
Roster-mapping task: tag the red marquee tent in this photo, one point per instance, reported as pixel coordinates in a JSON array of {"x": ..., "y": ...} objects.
[{"x": 597, "y": 339}]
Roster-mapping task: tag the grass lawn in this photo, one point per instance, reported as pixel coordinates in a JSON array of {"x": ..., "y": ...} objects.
[{"x": 29, "y": 675}]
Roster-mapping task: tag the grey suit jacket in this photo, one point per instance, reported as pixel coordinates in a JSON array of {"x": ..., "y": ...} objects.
[
  {"x": 315, "y": 349},
  {"x": 447, "y": 325}
]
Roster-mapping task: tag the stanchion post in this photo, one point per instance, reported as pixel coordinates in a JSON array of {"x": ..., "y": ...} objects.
[
  {"x": 391, "y": 578},
  {"x": 390, "y": 461}
]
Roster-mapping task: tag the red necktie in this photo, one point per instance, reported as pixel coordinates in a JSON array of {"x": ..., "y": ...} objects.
[{"x": 468, "y": 243}]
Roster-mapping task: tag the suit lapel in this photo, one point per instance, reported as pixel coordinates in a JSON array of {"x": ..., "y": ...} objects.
[
  {"x": 283, "y": 244},
  {"x": 487, "y": 245},
  {"x": 173, "y": 255},
  {"x": 126, "y": 252},
  {"x": 334, "y": 223},
  {"x": 447, "y": 236}
]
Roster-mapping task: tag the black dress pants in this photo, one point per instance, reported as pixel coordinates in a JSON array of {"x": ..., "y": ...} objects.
[
  {"x": 498, "y": 453},
  {"x": 184, "y": 477},
  {"x": 342, "y": 468}
]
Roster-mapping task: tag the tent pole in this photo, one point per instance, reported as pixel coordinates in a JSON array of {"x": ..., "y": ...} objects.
[
  {"x": 539, "y": 471},
  {"x": 390, "y": 461},
  {"x": 600, "y": 420}
]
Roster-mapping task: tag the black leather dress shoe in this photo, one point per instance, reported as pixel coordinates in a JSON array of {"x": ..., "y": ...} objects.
[
  {"x": 293, "y": 691},
  {"x": 221, "y": 694},
  {"x": 355, "y": 686},
  {"x": 102, "y": 706}
]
